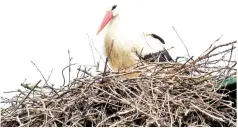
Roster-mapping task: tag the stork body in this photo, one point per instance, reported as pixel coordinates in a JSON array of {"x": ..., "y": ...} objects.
[
  {"x": 124, "y": 49},
  {"x": 120, "y": 53}
]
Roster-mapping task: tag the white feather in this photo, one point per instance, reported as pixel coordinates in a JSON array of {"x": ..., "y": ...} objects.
[{"x": 126, "y": 30}]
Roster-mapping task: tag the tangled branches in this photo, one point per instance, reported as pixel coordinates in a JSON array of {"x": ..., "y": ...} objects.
[{"x": 166, "y": 94}]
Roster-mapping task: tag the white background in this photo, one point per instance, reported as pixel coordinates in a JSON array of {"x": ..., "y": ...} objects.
[{"x": 42, "y": 31}]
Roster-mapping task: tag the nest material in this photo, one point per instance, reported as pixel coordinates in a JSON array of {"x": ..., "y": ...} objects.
[{"x": 166, "y": 94}]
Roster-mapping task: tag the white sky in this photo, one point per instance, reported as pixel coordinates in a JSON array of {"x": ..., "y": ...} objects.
[{"x": 43, "y": 30}]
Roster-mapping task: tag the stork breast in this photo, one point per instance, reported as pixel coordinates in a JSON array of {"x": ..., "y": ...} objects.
[{"x": 120, "y": 56}]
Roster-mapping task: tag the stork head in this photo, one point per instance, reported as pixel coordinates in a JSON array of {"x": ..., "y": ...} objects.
[{"x": 110, "y": 14}]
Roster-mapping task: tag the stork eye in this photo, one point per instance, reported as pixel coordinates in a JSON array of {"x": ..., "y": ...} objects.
[{"x": 114, "y": 7}]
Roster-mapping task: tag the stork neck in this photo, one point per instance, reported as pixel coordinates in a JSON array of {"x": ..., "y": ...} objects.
[{"x": 112, "y": 27}]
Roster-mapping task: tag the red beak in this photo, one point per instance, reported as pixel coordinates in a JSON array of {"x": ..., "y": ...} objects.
[{"x": 108, "y": 16}]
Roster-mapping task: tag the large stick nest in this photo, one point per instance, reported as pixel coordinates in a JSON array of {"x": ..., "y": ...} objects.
[{"x": 166, "y": 94}]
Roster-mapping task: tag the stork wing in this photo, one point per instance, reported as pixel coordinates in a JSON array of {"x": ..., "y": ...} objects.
[{"x": 160, "y": 56}]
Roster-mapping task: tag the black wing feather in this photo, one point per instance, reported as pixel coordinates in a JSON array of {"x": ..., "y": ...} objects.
[{"x": 161, "y": 56}]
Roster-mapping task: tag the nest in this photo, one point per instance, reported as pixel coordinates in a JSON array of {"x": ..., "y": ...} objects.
[{"x": 166, "y": 94}]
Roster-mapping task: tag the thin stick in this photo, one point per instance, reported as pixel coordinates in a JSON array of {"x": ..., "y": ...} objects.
[
  {"x": 91, "y": 50},
  {"x": 232, "y": 47},
  {"x": 63, "y": 73},
  {"x": 203, "y": 111},
  {"x": 96, "y": 49},
  {"x": 40, "y": 73},
  {"x": 226, "y": 74},
  {"x": 214, "y": 48},
  {"x": 186, "y": 62},
  {"x": 69, "y": 66},
  {"x": 212, "y": 44},
  {"x": 26, "y": 96},
  {"x": 181, "y": 41},
  {"x": 85, "y": 71}
]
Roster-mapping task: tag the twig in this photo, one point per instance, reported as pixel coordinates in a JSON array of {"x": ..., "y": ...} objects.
[
  {"x": 91, "y": 50},
  {"x": 84, "y": 71},
  {"x": 69, "y": 67},
  {"x": 95, "y": 48},
  {"x": 215, "y": 54},
  {"x": 79, "y": 69},
  {"x": 63, "y": 73},
  {"x": 206, "y": 55},
  {"x": 212, "y": 116},
  {"x": 40, "y": 73},
  {"x": 212, "y": 44},
  {"x": 228, "y": 69},
  {"x": 171, "y": 117},
  {"x": 26, "y": 96},
  {"x": 186, "y": 62},
  {"x": 232, "y": 47},
  {"x": 181, "y": 41},
  {"x": 49, "y": 78}
]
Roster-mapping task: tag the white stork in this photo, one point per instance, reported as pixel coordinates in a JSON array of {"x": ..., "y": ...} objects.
[{"x": 123, "y": 48}]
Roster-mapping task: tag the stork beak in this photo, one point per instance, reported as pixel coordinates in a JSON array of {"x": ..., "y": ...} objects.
[{"x": 108, "y": 16}]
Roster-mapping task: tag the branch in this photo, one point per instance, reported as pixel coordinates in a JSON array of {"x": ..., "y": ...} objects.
[
  {"x": 214, "y": 48},
  {"x": 40, "y": 73},
  {"x": 26, "y": 96},
  {"x": 91, "y": 49},
  {"x": 181, "y": 41},
  {"x": 63, "y": 73}
]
